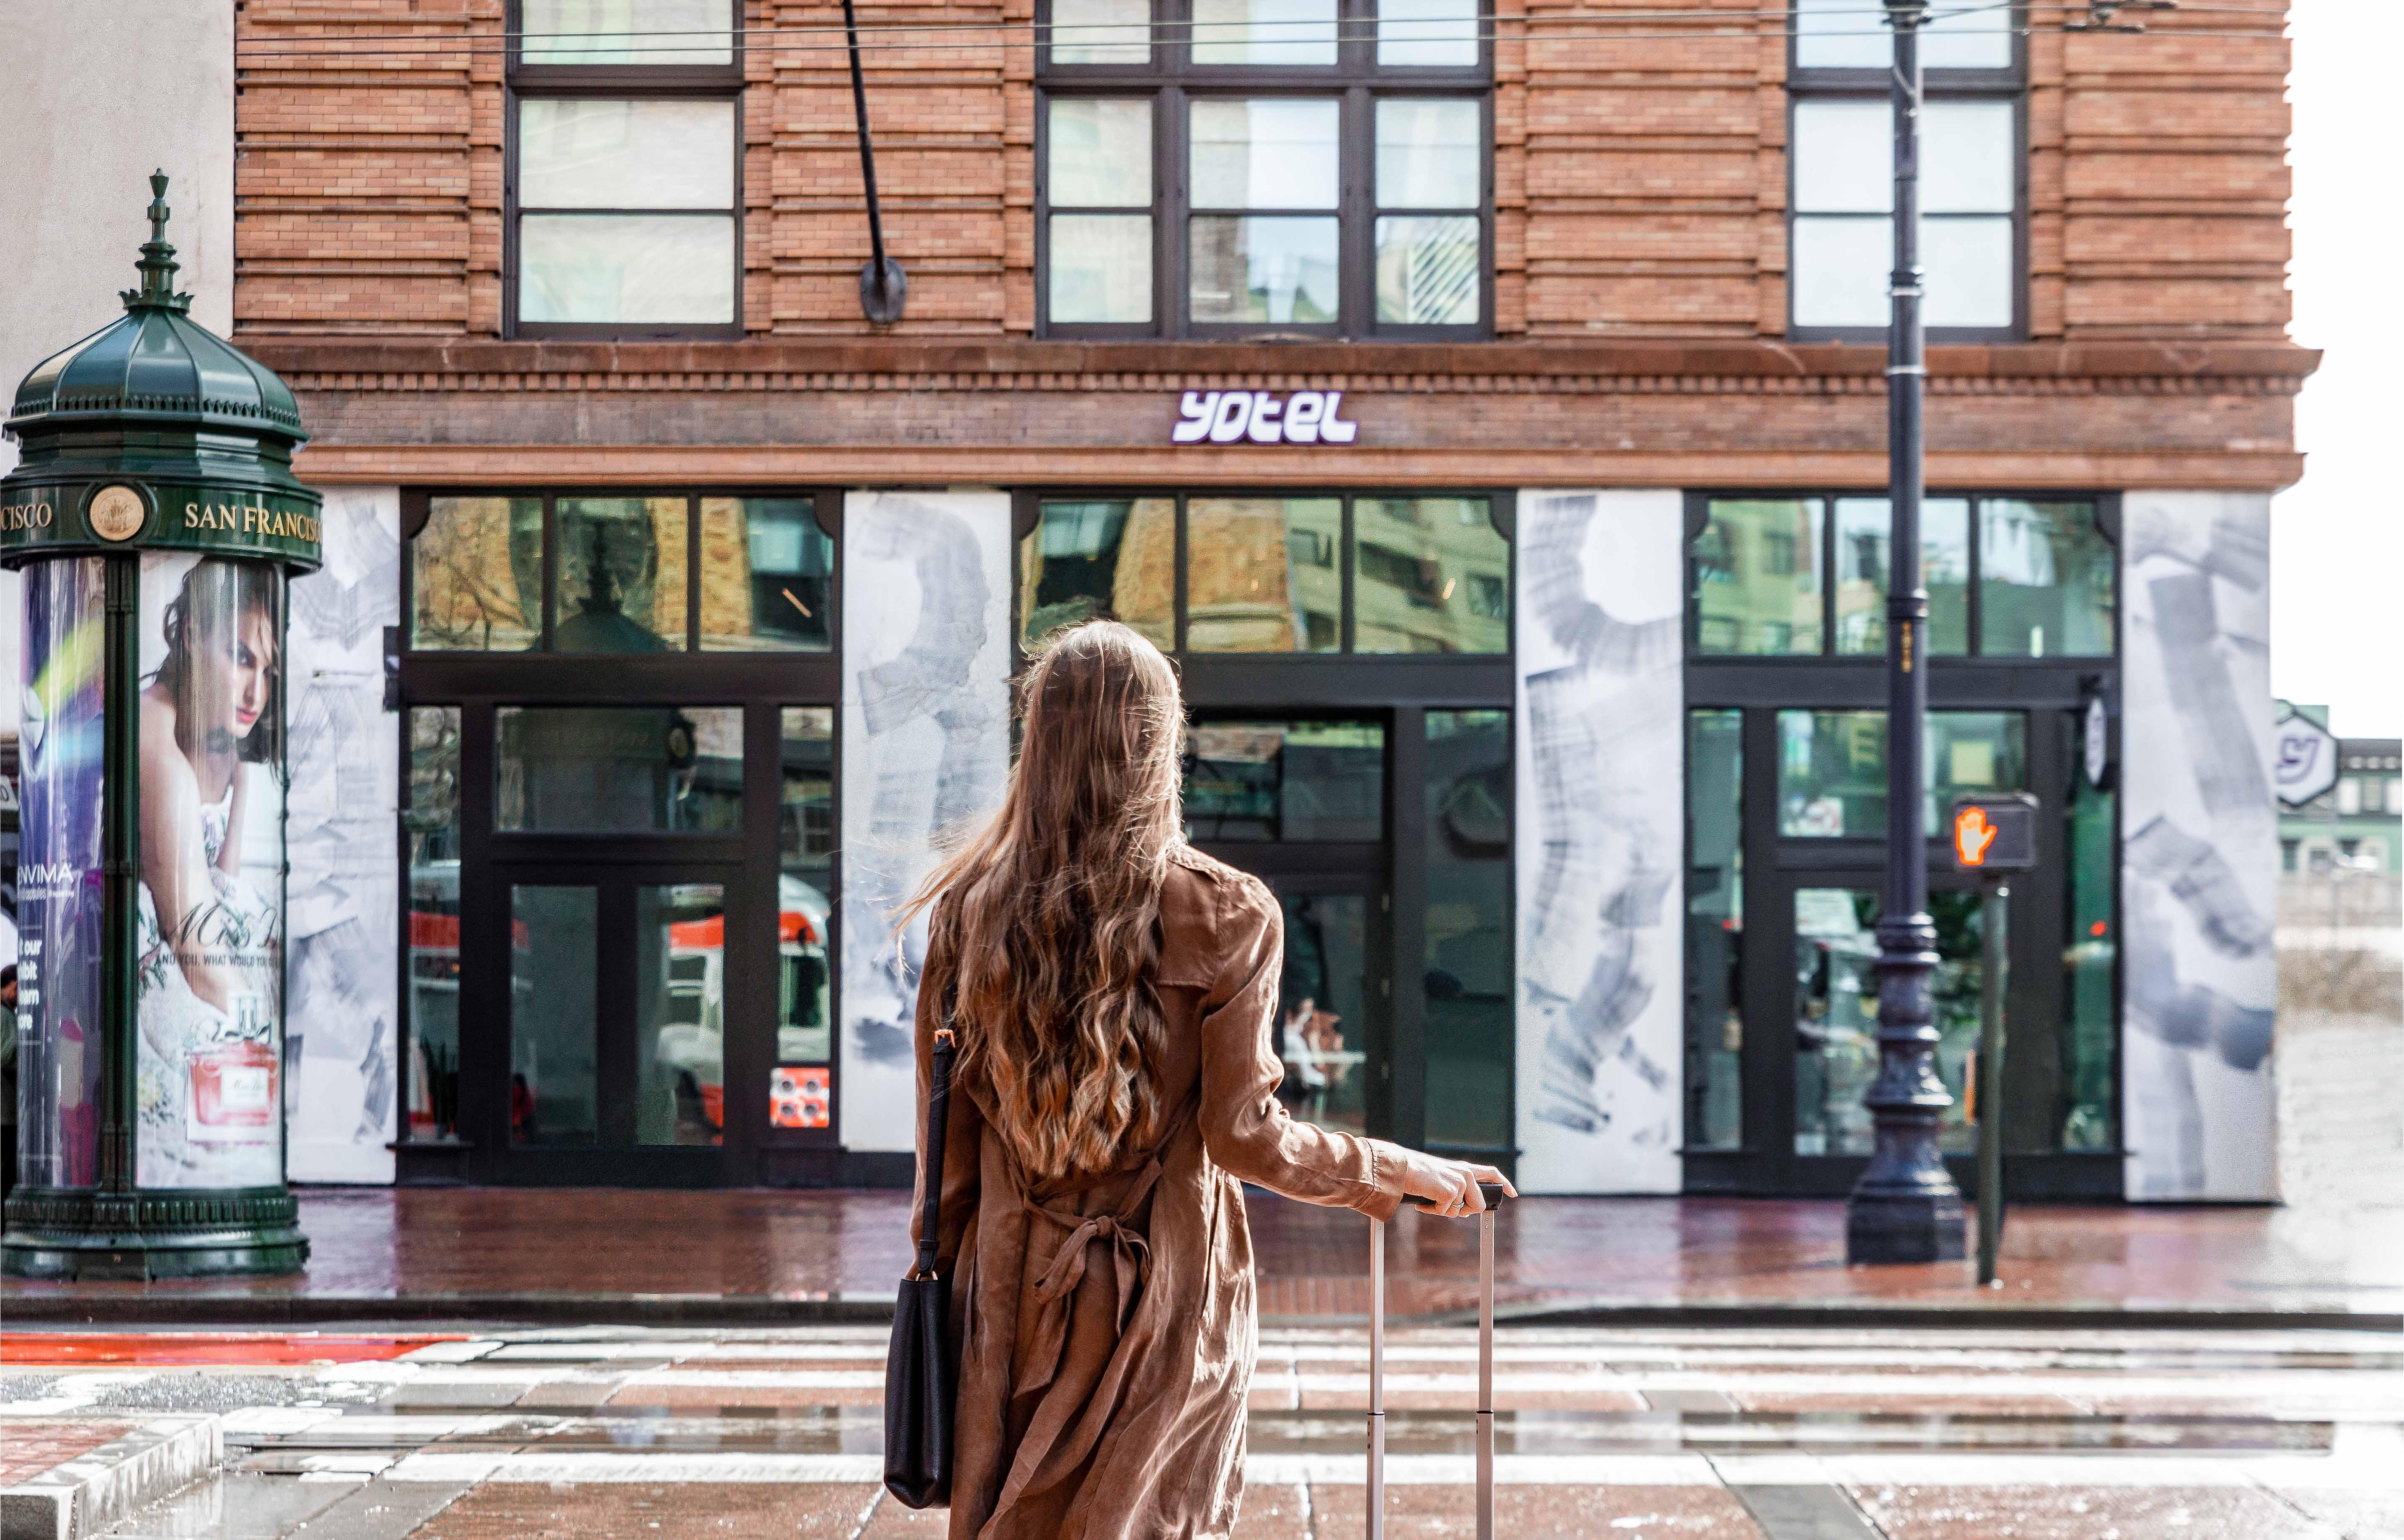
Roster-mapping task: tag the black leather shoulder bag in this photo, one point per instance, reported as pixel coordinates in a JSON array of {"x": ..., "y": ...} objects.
[{"x": 922, "y": 1366}]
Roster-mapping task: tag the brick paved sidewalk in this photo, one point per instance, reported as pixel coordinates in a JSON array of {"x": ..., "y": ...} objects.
[{"x": 1661, "y": 1435}]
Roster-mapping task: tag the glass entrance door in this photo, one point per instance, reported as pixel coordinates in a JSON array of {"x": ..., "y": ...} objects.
[
  {"x": 615, "y": 1018},
  {"x": 1833, "y": 920},
  {"x": 1301, "y": 805},
  {"x": 1324, "y": 998}
]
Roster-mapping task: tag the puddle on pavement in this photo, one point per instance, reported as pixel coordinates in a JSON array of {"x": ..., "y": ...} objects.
[{"x": 235, "y": 1506}]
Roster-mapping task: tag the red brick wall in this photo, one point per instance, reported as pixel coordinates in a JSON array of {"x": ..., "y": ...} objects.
[{"x": 1640, "y": 177}]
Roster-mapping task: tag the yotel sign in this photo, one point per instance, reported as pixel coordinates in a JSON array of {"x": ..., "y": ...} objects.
[{"x": 1262, "y": 417}]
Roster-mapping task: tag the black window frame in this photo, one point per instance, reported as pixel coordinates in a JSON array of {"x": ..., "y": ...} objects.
[
  {"x": 2106, "y": 508},
  {"x": 1026, "y": 508},
  {"x": 2008, "y": 84},
  {"x": 418, "y": 509},
  {"x": 591, "y": 82},
  {"x": 1356, "y": 80},
  {"x": 2050, "y": 694},
  {"x": 763, "y": 685}
]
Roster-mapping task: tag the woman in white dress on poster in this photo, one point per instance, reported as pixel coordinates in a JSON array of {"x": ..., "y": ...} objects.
[{"x": 209, "y": 940}]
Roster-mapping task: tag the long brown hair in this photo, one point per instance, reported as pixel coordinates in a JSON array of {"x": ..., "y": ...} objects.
[{"x": 1047, "y": 942}]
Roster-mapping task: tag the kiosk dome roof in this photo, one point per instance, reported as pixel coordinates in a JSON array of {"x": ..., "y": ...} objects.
[{"x": 155, "y": 364}]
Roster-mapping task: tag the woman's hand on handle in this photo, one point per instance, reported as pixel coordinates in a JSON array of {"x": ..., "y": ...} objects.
[{"x": 1450, "y": 1187}]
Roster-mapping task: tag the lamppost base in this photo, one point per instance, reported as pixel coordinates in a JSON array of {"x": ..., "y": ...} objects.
[
  {"x": 82, "y": 1235},
  {"x": 1905, "y": 1226}
]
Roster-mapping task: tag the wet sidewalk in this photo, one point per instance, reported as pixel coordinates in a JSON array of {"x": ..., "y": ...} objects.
[{"x": 776, "y": 1257}]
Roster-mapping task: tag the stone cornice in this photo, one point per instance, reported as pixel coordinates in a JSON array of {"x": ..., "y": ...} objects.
[
  {"x": 1638, "y": 367},
  {"x": 1016, "y": 465}
]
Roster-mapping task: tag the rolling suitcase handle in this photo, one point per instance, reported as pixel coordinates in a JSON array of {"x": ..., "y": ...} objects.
[{"x": 1493, "y": 1194}]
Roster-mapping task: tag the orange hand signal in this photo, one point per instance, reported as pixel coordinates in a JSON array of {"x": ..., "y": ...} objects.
[{"x": 1972, "y": 835}]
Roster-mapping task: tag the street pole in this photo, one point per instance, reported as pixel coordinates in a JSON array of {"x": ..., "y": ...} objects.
[
  {"x": 1993, "y": 981},
  {"x": 1905, "y": 1208}
]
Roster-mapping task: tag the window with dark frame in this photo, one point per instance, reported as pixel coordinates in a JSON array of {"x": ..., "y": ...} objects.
[
  {"x": 624, "y": 186},
  {"x": 1973, "y": 181},
  {"x": 1248, "y": 168},
  {"x": 661, "y": 572},
  {"x": 2008, "y": 576},
  {"x": 1297, "y": 573}
]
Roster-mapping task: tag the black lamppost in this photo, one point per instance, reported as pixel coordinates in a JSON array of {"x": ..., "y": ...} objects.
[{"x": 1905, "y": 1208}]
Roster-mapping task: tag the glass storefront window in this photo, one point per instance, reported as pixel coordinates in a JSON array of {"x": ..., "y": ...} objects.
[
  {"x": 2090, "y": 1023},
  {"x": 1832, "y": 767},
  {"x": 476, "y": 575},
  {"x": 622, "y": 575},
  {"x": 2044, "y": 571},
  {"x": 1835, "y": 1027},
  {"x": 554, "y": 1015},
  {"x": 1756, "y": 576},
  {"x": 680, "y": 1013},
  {"x": 805, "y": 838},
  {"x": 767, "y": 576},
  {"x": 1467, "y": 974},
  {"x": 619, "y": 769},
  {"x": 2046, "y": 580},
  {"x": 1861, "y": 528},
  {"x": 1325, "y": 576},
  {"x": 1285, "y": 781},
  {"x": 1089, "y": 560},
  {"x": 432, "y": 822},
  {"x": 1262, "y": 575},
  {"x": 1714, "y": 930},
  {"x": 1429, "y": 574}
]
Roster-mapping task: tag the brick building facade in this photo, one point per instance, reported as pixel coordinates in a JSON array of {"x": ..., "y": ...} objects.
[{"x": 1632, "y": 370}]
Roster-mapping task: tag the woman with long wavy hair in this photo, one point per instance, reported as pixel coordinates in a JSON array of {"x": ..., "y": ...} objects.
[{"x": 1113, "y": 993}]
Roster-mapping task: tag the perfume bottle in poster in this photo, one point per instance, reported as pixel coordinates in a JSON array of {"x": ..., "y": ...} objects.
[{"x": 209, "y": 919}]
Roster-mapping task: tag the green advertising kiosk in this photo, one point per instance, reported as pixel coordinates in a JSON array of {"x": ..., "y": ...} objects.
[{"x": 155, "y": 520}]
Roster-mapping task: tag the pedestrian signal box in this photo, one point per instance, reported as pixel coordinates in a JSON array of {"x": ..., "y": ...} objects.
[{"x": 1995, "y": 833}]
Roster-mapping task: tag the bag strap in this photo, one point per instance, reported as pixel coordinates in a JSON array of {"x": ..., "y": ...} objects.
[{"x": 939, "y": 1107}]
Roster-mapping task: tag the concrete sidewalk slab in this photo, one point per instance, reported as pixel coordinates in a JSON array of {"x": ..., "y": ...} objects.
[{"x": 85, "y": 1495}]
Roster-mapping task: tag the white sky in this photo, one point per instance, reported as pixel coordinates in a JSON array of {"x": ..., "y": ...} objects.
[{"x": 2336, "y": 538}]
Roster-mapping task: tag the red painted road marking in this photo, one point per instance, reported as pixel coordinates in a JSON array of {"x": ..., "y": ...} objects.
[{"x": 209, "y": 1347}]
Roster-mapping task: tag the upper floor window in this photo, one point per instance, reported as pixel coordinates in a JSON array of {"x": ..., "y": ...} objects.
[
  {"x": 2006, "y": 578},
  {"x": 625, "y": 169},
  {"x": 1220, "y": 168},
  {"x": 1973, "y": 187}
]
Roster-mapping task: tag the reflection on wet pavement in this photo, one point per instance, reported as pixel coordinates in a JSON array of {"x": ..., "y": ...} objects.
[{"x": 1762, "y": 1435}]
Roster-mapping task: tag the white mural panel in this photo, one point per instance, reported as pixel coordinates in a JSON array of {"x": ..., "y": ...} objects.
[
  {"x": 1602, "y": 786},
  {"x": 2200, "y": 855},
  {"x": 925, "y": 747},
  {"x": 342, "y": 896}
]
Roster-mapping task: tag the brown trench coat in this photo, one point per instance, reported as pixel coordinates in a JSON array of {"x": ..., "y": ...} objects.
[{"x": 1106, "y": 1329}]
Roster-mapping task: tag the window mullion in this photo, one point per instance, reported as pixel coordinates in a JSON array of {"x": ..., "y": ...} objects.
[{"x": 1356, "y": 200}]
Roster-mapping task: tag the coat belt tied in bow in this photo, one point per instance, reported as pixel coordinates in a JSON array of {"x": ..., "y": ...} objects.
[{"x": 1055, "y": 1292}]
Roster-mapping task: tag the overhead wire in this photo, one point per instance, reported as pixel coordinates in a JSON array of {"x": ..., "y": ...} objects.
[{"x": 1117, "y": 34}]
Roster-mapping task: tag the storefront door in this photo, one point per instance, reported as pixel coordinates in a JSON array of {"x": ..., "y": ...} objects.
[
  {"x": 613, "y": 1011},
  {"x": 1783, "y": 900},
  {"x": 1332, "y": 987},
  {"x": 1300, "y": 804}
]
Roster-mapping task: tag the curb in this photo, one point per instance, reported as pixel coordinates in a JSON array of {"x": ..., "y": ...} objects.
[
  {"x": 696, "y": 1309},
  {"x": 87, "y": 1494}
]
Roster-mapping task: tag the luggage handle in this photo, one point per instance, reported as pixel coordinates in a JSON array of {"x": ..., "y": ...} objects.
[{"x": 1494, "y": 1193}]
